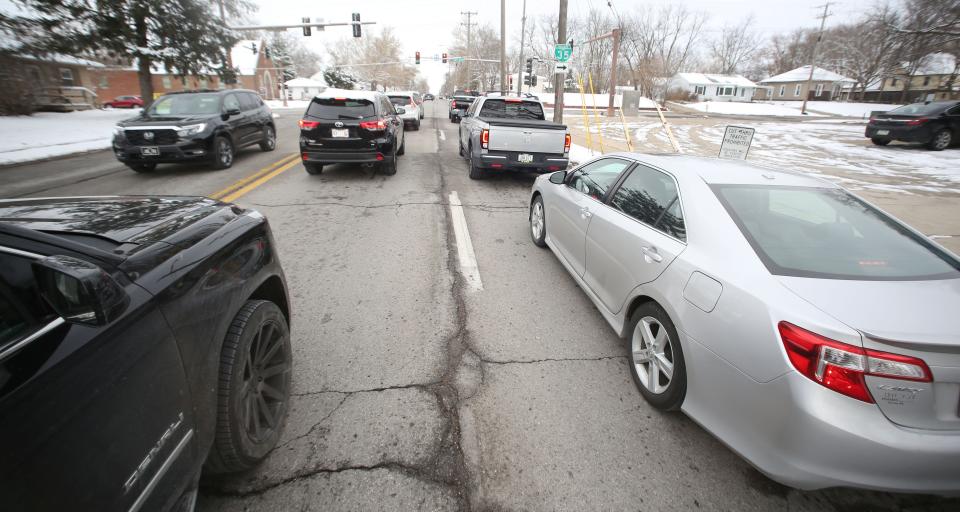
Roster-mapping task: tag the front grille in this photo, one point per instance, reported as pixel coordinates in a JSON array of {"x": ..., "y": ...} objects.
[{"x": 160, "y": 137}]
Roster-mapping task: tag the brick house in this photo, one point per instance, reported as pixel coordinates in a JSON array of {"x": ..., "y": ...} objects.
[
  {"x": 254, "y": 72},
  {"x": 792, "y": 85},
  {"x": 51, "y": 82}
]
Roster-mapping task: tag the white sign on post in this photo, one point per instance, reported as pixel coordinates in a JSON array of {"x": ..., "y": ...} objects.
[
  {"x": 736, "y": 142},
  {"x": 561, "y": 68}
]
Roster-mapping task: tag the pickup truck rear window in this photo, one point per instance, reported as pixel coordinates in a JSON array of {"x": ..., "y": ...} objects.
[
  {"x": 333, "y": 108},
  {"x": 512, "y": 109}
]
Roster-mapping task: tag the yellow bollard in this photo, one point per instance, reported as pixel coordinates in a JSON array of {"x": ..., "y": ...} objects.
[
  {"x": 626, "y": 132},
  {"x": 593, "y": 97},
  {"x": 583, "y": 109}
]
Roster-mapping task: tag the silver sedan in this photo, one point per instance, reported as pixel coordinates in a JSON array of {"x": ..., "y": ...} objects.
[{"x": 814, "y": 334}]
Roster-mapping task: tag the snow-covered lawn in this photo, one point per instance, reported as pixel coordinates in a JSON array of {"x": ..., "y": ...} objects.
[
  {"x": 50, "y": 134},
  {"x": 745, "y": 109},
  {"x": 839, "y": 108}
]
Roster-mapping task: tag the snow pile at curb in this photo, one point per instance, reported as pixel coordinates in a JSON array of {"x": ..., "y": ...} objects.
[{"x": 52, "y": 134}]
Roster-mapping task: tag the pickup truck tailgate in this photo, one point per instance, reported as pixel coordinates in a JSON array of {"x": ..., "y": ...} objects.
[{"x": 527, "y": 140}]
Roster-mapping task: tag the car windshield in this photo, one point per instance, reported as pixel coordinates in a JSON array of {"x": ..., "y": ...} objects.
[
  {"x": 400, "y": 100},
  {"x": 186, "y": 105},
  {"x": 511, "y": 109},
  {"x": 830, "y": 234},
  {"x": 920, "y": 109},
  {"x": 341, "y": 108}
]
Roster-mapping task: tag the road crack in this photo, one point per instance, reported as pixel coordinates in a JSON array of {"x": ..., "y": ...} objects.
[{"x": 550, "y": 360}]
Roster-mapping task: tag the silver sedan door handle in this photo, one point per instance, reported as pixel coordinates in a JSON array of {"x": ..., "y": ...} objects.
[
  {"x": 585, "y": 212},
  {"x": 651, "y": 254}
]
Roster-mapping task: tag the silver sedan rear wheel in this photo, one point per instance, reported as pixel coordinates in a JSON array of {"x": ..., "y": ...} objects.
[{"x": 652, "y": 354}]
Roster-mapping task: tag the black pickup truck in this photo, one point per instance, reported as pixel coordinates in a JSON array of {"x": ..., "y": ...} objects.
[{"x": 141, "y": 339}]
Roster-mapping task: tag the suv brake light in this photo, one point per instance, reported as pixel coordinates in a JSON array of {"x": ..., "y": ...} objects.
[
  {"x": 453, "y": 104},
  {"x": 484, "y": 138},
  {"x": 308, "y": 125},
  {"x": 374, "y": 126},
  {"x": 842, "y": 367},
  {"x": 566, "y": 143}
]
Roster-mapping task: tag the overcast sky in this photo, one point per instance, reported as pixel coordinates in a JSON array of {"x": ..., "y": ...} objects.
[{"x": 427, "y": 25}]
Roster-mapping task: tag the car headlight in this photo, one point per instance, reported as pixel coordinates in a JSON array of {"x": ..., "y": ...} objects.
[
  {"x": 118, "y": 130},
  {"x": 193, "y": 129}
]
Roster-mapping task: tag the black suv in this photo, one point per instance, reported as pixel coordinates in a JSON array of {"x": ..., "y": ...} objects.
[
  {"x": 934, "y": 123},
  {"x": 195, "y": 125},
  {"x": 140, "y": 340},
  {"x": 343, "y": 126}
]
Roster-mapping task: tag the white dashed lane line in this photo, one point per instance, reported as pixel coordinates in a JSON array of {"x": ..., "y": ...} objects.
[
  {"x": 465, "y": 254},
  {"x": 443, "y": 136}
]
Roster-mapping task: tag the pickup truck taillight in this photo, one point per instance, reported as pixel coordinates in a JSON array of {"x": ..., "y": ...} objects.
[
  {"x": 842, "y": 367},
  {"x": 453, "y": 104},
  {"x": 566, "y": 143},
  {"x": 374, "y": 126},
  {"x": 484, "y": 138},
  {"x": 308, "y": 125}
]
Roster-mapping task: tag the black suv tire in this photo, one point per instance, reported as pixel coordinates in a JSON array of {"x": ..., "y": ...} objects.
[
  {"x": 269, "y": 139},
  {"x": 243, "y": 362},
  {"x": 223, "y": 152},
  {"x": 313, "y": 168}
]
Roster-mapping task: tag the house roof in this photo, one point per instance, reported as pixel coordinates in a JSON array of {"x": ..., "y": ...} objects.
[
  {"x": 716, "y": 79},
  {"x": 802, "y": 73},
  {"x": 244, "y": 59},
  {"x": 304, "y": 82},
  {"x": 67, "y": 60}
]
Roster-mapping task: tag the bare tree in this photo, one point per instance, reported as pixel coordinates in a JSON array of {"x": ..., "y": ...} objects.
[
  {"x": 380, "y": 57},
  {"x": 736, "y": 45},
  {"x": 936, "y": 21},
  {"x": 660, "y": 43},
  {"x": 862, "y": 50}
]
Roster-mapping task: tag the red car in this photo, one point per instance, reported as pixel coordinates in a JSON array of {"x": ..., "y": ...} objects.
[{"x": 124, "y": 102}]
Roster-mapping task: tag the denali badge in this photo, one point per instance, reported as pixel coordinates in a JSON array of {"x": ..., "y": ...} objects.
[
  {"x": 167, "y": 434},
  {"x": 148, "y": 135}
]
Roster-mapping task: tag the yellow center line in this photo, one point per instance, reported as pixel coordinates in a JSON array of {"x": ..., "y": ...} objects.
[
  {"x": 240, "y": 183},
  {"x": 233, "y": 196}
]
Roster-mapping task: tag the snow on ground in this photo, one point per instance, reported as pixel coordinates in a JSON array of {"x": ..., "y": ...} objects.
[
  {"x": 600, "y": 101},
  {"x": 839, "y": 108},
  {"x": 580, "y": 154},
  {"x": 745, "y": 109},
  {"x": 51, "y": 134},
  {"x": 291, "y": 104}
]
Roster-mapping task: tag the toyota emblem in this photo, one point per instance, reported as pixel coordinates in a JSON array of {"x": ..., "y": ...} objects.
[
  {"x": 338, "y": 124},
  {"x": 148, "y": 135}
]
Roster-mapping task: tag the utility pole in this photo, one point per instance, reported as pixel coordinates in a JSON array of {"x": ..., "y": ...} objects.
[
  {"x": 503, "y": 45},
  {"x": 813, "y": 57},
  {"x": 613, "y": 70},
  {"x": 469, "y": 24},
  {"x": 560, "y": 79},
  {"x": 523, "y": 30}
]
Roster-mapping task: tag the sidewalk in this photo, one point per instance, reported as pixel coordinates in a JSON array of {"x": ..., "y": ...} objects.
[{"x": 52, "y": 134}]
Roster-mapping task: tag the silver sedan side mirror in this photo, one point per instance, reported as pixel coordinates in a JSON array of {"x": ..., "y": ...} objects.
[{"x": 558, "y": 177}]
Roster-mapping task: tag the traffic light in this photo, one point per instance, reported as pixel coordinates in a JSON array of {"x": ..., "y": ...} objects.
[
  {"x": 529, "y": 66},
  {"x": 417, "y": 58},
  {"x": 306, "y": 30},
  {"x": 356, "y": 27},
  {"x": 444, "y": 58},
  {"x": 510, "y": 82},
  {"x": 533, "y": 80},
  {"x": 253, "y": 47},
  {"x": 266, "y": 51},
  {"x": 526, "y": 80}
]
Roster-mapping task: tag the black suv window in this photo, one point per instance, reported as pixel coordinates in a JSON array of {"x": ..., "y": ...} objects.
[
  {"x": 248, "y": 101},
  {"x": 231, "y": 102},
  {"x": 186, "y": 104},
  {"x": 22, "y": 311},
  {"x": 341, "y": 108},
  {"x": 651, "y": 197}
]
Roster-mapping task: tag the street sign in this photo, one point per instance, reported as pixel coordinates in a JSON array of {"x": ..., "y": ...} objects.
[
  {"x": 736, "y": 142},
  {"x": 562, "y": 52},
  {"x": 561, "y": 68}
]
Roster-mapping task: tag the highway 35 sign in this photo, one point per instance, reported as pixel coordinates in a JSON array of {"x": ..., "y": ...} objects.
[{"x": 562, "y": 52}]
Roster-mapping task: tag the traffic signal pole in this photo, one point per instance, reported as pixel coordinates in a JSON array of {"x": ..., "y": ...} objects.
[{"x": 560, "y": 79}]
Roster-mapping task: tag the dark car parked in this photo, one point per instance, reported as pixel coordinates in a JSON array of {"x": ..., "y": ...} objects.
[
  {"x": 195, "y": 125},
  {"x": 141, "y": 339},
  {"x": 343, "y": 126},
  {"x": 459, "y": 105},
  {"x": 934, "y": 123},
  {"x": 428, "y": 97}
]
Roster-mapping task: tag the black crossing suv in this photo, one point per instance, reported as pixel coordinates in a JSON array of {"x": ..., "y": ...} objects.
[
  {"x": 342, "y": 126},
  {"x": 208, "y": 126},
  {"x": 141, "y": 338}
]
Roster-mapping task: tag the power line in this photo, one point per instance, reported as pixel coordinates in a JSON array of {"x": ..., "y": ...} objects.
[{"x": 813, "y": 57}]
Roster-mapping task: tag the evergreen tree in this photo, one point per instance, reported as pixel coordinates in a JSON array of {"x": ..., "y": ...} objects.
[
  {"x": 185, "y": 36},
  {"x": 339, "y": 79}
]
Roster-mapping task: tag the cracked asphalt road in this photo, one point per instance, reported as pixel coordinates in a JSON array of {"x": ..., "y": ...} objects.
[{"x": 412, "y": 392}]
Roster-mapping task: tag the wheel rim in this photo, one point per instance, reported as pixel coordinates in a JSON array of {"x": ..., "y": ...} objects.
[
  {"x": 943, "y": 140},
  {"x": 652, "y": 355},
  {"x": 225, "y": 152},
  {"x": 536, "y": 220},
  {"x": 265, "y": 389},
  {"x": 271, "y": 138}
]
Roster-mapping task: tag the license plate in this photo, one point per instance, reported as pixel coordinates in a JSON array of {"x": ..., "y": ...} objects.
[
  {"x": 883, "y": 132},
  {"x": 339, "y": 132},
  {"x": 150, "y": 151},
  {"x": 525, "y": 158}
]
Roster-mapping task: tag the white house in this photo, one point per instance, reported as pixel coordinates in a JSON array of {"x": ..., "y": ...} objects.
[
  {"x": 792, "y": 85},
  {"x": 304, "y": 88},
  {"x": 713, "y": 87}
]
